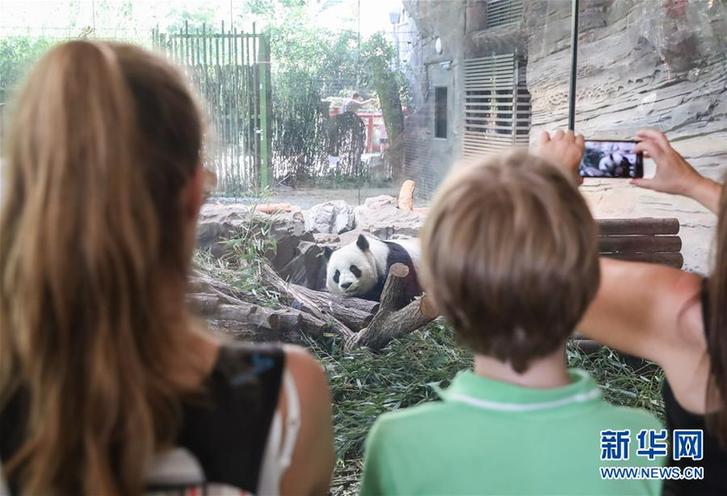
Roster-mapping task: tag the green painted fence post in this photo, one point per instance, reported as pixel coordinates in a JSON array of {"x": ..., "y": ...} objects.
[{"x": 266, "y": 114}]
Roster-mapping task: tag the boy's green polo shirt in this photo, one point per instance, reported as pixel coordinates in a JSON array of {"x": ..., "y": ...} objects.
[{"x": 490, "y": 437}]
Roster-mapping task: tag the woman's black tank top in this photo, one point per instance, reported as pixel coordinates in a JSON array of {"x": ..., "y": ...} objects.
[
  {"x": 225, "y": 429},
  {"x": 714, "y": 458}
]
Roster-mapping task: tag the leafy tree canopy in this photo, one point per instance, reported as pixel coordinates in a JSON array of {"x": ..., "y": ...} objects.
[
  {"x": 194, "y": 17},
  {"x": 303, "y": 50}
]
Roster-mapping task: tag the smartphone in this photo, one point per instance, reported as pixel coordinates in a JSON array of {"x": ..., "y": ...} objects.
[{"x": 611, "y": 159}]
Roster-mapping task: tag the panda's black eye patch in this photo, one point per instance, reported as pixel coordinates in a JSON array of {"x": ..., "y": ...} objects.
[
  {"x": 336, "y": 277},
  {"x": 355, "y": 271}
]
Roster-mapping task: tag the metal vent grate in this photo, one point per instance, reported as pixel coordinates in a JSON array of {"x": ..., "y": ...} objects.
[
  {"x": 503, "y": 12},
  {"x": 497, "y": 104}
]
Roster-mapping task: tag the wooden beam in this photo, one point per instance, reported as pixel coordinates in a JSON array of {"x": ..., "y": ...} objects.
[
  {"x": 639, "y": 244},
  {"x": 645, "y": 225}
]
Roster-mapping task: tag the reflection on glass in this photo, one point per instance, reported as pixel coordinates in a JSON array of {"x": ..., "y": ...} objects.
[{"x": 317, "y": 101}]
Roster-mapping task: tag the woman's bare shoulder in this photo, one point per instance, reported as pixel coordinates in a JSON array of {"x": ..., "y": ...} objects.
[
  {"x": 309, "y": 376},
  {"x": 686, "y": 364}
]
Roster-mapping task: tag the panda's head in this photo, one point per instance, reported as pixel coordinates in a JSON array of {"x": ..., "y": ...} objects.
[{"x": 351, "y": 269}]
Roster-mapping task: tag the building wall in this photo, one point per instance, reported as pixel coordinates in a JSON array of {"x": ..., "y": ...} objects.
[
  {"x": 640, "y": 64},
  {"x": 458, "y": 24},
  {"x": 427, "y": 159},
  {"x": 660, "y": 64}
]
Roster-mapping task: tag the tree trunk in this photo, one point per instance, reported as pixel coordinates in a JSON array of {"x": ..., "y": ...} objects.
[
  {"x": 254, "y": 322},
  {"x": 395, "y": 317},
  {"x": 388, "y": 90}
]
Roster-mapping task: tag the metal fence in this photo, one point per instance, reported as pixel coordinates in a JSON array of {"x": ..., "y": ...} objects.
[
  {"x": 503, "y": 12},
  {"x": 231, "y": 71},
  {"x": 497, "y": 104}
]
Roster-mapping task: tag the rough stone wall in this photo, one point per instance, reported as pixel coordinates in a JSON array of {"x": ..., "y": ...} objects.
[
  {"x": 658, "y": 63},
  {"x": 640, "y": 63}
]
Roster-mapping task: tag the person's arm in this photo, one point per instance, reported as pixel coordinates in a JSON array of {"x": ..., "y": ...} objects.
[
  {"x": 673, "y": 173},
  {"x": 313, "y": 458},
  {"x": 641, "y": 309},
  {"x": 564, "y": 149},
  {"x": 647, "y": 310},
  {"x": 655, "y": 312}
]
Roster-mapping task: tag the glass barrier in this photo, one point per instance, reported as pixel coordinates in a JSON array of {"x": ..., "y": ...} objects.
[{"x": 345, "y": 116}]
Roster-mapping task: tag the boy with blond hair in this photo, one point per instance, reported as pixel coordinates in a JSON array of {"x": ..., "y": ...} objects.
[{"x": 510, "y": 258}]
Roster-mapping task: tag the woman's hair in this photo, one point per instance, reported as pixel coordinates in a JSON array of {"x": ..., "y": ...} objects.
[
  {"x": 510, "y": 256},
  {"x": 103, "y": 139},
  {"x": 717, "y": 335}
]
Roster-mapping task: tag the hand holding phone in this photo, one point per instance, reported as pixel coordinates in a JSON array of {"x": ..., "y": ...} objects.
[
  {"x": 563, "y": 149},
  {"x": 673, "y": 173},
  {"x": 612, "y": 159}
]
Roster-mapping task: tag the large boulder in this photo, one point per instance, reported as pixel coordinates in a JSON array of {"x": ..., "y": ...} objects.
[
  {"x": 307, "y": 268},
  {"x": 219, "y": 224},
  {"x": 381, "y": 217},
  {"x": 333, "y": 217}
]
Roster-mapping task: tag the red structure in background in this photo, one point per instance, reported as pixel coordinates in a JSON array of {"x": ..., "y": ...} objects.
[{"x": 377, "y": 140}]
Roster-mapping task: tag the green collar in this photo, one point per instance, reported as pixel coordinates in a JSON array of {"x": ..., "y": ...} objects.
[{"x": 489, "y": 394}]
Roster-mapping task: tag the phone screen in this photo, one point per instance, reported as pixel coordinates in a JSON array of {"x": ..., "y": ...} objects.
[{"x": 611, "y": 159}]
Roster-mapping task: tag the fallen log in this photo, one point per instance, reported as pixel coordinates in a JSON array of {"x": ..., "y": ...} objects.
[
  {"x": 203, "y": 303},
  {"x": 301, "y": 301},
  {"x": 367, "y": 306},
  {"x": 201, "y": 284},
  {"x": 258, "y": 323},
  {"x": 355, "y": 313},
  {"x": 396, "y": 317},
  {"x": 318, "y": 308},
  {"x": 312, "y": 312}
]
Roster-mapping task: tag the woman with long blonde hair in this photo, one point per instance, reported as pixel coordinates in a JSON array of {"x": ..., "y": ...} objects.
[{"x": 107, "y": 385}]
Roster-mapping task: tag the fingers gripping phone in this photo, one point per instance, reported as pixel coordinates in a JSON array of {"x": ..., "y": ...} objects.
[{"x": 611, "y": 159}]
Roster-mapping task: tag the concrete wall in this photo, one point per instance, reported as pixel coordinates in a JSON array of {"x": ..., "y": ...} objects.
[
  {"x": 641, "y": 63},
  {"x": 427, "y": 159}
]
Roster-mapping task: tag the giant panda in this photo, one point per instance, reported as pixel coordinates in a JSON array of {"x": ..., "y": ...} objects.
[{"x": 360, "y": 268}]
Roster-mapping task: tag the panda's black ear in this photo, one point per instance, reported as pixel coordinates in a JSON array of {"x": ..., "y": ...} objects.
[
  {"x": 327, "y": 252},
  {"x": 362, "y": 242}
]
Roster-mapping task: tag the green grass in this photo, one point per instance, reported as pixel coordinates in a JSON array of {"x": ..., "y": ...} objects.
[{"x": 620, "y": 382}]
